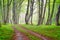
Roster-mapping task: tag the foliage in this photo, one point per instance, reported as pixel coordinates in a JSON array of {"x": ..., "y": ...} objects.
[{"x": 6, "y": 32}]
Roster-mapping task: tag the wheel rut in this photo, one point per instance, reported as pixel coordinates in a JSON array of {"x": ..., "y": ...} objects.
[
  {"x": 19, "y": 35},
  {"x": 35, "y": 34}
]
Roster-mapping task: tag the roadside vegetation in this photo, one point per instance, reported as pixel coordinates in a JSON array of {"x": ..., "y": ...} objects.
[
  {"x": 6, "y": 32},
  {"x": 51, "y": 31}
]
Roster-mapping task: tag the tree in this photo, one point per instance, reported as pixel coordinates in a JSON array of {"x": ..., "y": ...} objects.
[
  {"x": 34, "y": 7},
  {"x": 31, "y": 10},
  {"x": 57, "y": 16},
  {"x": 8, "y": 6},
  {"x": 48, "y": 12},
  {"x": 0, "y": 23},
  {"x": 52, "y": 12},
  {"x": 14, "y": 12},
  {"x": 49, "y": 21},
  {"x": 39, "y": 13},
  {"x": 44, "y": 11},
  {"x": 4, "y": 12},
  {"x": 26, "y": 16}
]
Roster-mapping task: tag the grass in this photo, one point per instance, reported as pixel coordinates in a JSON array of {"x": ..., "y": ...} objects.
[
  {"x": 6, "y": 32},
  {"x": 31, "y": 37},
  {"x": 51, "y": 31}
]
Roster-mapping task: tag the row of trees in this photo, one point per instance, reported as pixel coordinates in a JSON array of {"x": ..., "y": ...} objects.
[
  {"x": 10, "y": 10},
  {"x": 42, "y": 11}
]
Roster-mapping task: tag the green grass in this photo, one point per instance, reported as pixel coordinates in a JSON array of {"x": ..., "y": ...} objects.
[
  {"x": 51, "y": 31},
  {"x": 6, "y": 32},
  {"x": 31, "y": 37}
]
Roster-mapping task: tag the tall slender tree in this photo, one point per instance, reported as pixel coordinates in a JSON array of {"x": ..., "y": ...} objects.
[
  {"x": 41, "y": 16},
  {"x": 48, "y": 12},
  {"x": 44, "y": 11},
  {"x": 39, "y": 12},
  {"x": 57, "y": 16},
  {"x": 26, "y": 16},
  {"x": 52, "y": 12},
  {"x": 14, "y": 12},
  {"x": 4, "y": 13},
  {"x": 31, "y": 10},
  {"x": 49, "y": 21},
  {"x": 8, "y": 5}
]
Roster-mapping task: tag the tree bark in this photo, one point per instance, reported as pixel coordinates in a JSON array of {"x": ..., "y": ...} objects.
[
  {"x": 39, "y": 13},
  {"x": 48, "y": 13},
  {"x": 57, "y": 17},
  {"x": 4, "y": 14},
  {"x": 14, "y": 12},
  {"x": 31, "y": 10},
  {"x": 50, "y": 22},
  {"x": 26, "y": 16},
  {"x": 0, "y": 24},
  {"x": 8, "y": 5},
  {"x": 44, "y": 11},
  {"x": 41, "y": 18}
]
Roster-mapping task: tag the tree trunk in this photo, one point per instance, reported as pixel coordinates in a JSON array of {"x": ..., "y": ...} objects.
[
  {"x": 57, "y": 17},
  {"x": 48, "y": 13},
  {"x": 4, "y": 14},
  {"x": 50, "y": 22},
  {"x": 8, "y": 5},
  {"x": 41, "y": 18},
  {"x": 26, "y": 16},
  {"x": 14, "y": 12},
  {"x": 31, "y": 10},
  {"x": 44, "y": 11},
  {"x": 39, "y": 13},
  {"x": 0, "y": 24}
]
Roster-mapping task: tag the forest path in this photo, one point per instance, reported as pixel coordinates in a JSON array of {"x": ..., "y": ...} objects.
[
  {"x": 18, "y": 35},
  {"x": 35, "y": 34}
]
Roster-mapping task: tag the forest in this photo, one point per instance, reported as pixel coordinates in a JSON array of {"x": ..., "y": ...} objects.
[{"x": 29, "y": 19}]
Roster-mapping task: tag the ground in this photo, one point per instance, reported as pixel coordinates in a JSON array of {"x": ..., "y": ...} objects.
[{"x": 29, "y": 32}]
